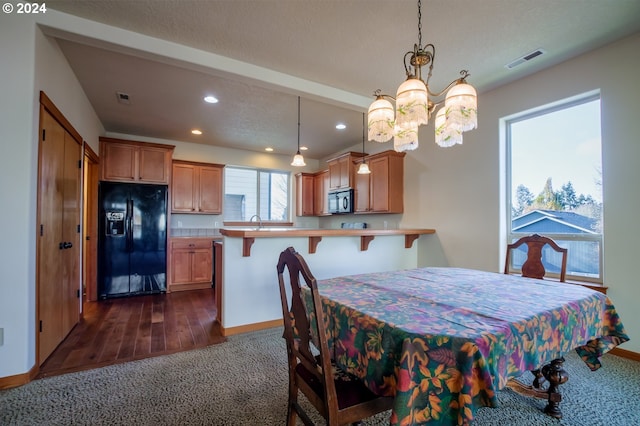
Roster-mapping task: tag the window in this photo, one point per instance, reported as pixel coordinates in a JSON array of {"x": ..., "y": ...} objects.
[
  {"x": 554, "y": 183},
  {"x": 249, "y": 192}
]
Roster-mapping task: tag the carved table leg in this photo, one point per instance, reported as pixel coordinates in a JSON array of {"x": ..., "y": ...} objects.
[{"x": 555, "y": 375}]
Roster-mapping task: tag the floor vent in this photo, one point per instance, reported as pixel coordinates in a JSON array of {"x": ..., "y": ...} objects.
[{"x": 525, "y": 58}]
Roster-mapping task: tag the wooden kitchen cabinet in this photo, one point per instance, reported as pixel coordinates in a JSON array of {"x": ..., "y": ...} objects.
[
  {"x": 312, "y": 194},
  {"x": 196, "y": 188},
  {"x": 381, "y": 191},
  {"x": 321, "y": 193},
  {"x": 138, "y": 162},
  {"x": 191, "y": 263},
  {"x": 341, "y": 170},
  {"x": 305, "y": 197}
]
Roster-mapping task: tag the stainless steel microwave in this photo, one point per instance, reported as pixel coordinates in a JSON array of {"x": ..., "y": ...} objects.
[{"x": 341, "y": 201}]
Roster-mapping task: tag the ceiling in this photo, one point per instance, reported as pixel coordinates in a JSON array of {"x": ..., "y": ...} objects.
[{"x": 332, "y": 53}]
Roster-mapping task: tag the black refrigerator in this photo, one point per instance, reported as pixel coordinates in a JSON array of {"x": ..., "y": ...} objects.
[{"x": 132, "y": 244}]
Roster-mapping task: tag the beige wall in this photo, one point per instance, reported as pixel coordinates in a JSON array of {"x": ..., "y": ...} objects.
[{"x": 459, "y": 188}]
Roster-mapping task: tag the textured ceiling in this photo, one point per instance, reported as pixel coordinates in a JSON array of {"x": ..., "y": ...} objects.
[{"x": 353, "y": 46}]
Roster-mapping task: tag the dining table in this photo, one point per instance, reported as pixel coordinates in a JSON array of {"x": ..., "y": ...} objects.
[{"x": 443, "y": 340}]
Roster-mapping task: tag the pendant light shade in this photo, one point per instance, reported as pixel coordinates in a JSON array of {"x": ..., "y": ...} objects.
[{"x": 298, "y": 159}]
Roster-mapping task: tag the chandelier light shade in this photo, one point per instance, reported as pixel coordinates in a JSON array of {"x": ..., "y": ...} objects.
[
  {"x": 406, "y": 140},
  {"x": 461, "y": 104},
  {"x": 446, "y": 136},
  {"x": 381, "y": 120},
  {"x": 298, "y": 159},
  {"x": 363, "y": 168},
  {"x": 412, "y": 105},
  {"x": 415, "y": 102}
]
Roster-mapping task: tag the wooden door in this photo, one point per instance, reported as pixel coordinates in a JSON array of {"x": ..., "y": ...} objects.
[
  {"x": 58, "y": 273},
  {"x": 50, "y": 202},
  {"x": 70, "y": 235},
  {"x": 210, "y": 190},
  {"x": 183, "y": 188}
]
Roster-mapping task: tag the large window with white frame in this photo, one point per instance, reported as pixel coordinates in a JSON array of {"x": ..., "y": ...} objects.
[
  {"x": 256, "y": 195},
  {"x": 554, "y": 183}
]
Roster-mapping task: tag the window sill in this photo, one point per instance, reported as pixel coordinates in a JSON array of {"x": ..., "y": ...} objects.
[{"x": 593, "y": 286}]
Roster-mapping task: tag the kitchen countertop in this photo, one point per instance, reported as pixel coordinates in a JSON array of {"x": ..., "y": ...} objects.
[{"x": 315, "y": 235}]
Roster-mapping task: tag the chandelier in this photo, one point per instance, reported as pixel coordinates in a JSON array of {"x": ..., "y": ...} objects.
[{"x": 414, "y": 106}]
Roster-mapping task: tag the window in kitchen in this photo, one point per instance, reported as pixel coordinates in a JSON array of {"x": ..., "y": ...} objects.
[
  {"x": 249, "y": 192},
  {"x": 554, "y": 183}
]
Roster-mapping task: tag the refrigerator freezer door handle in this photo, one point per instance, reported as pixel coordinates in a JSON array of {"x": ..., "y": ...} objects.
[{"x": 129, "y": 226}]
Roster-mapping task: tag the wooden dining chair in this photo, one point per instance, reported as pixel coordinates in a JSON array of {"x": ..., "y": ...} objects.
[
  {"x": 339, "y": 397},
  {"x": 533, "y": 267}
]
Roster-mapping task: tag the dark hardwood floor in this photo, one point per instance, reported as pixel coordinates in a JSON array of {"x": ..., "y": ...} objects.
[{"x": 125, "y": 329}]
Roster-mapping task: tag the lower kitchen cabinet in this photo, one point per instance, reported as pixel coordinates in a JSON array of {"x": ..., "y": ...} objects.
[{"x": 191, "y": 263}]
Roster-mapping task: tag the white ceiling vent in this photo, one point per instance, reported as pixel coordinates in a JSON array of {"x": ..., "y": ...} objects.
[
  {"x": 525, "y": 58},
  {"x": 123, "y": 98}
]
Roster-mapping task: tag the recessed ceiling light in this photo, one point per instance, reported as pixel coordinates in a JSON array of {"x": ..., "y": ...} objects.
[
  {"x": 268, "y": 149},
  {"x": 341, "y": 126},
  {"x": 196, "y": 132},
  {"x": 303, "y": 148},
  {"x": 211, "y": 99}
]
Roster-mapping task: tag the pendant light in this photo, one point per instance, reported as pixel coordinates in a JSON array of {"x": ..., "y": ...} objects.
[
  {"x": 298, "y": 160},
  {"x": 363, "y": 169}
]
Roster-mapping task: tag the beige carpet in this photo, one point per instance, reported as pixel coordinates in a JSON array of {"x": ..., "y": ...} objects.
[{"x": 244, "y": 382}]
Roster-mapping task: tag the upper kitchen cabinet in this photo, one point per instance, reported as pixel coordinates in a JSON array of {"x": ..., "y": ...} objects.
[
  {"x": 321, "y": 193},
  {"x": 139, "y": 162},
  {"x": 305, "y": 194},
  {"x": 196, "y": 188},
  {"x": 312, "y": 194},
  {"x": 341, "y": 170},
  {"x": 381, "y": 191}
]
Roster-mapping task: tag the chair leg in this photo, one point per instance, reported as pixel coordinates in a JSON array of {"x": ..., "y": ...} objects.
[{"x": 291, "y": 415}]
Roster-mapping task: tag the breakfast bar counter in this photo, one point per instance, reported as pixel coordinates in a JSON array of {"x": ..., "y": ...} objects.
[{"x": 315, "y": 235}]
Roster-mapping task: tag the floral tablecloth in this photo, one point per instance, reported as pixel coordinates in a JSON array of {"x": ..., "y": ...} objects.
[{"x": 445, "y": 340}]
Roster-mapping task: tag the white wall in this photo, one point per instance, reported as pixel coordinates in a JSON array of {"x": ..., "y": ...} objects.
[
  {"x": 32, "y": 63},
  {"x": 251, "y": 293},
  {"x": 458, "y": 188},
  {"x": 18, "y": 191}
]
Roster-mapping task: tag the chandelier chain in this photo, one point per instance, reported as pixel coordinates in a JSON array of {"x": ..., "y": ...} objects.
[{"x": 419, "y": 24}]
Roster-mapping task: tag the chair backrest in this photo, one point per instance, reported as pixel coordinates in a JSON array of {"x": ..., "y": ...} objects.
[
  {"x": 304, "y": 328},
  {"x": 533, "y": 266}
]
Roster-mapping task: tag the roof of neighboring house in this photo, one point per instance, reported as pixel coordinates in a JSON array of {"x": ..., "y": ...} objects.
[{"x": 554, "y": 221}]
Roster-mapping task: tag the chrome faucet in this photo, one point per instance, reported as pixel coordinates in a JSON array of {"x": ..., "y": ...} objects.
[{"x": 258, "y": 219}]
